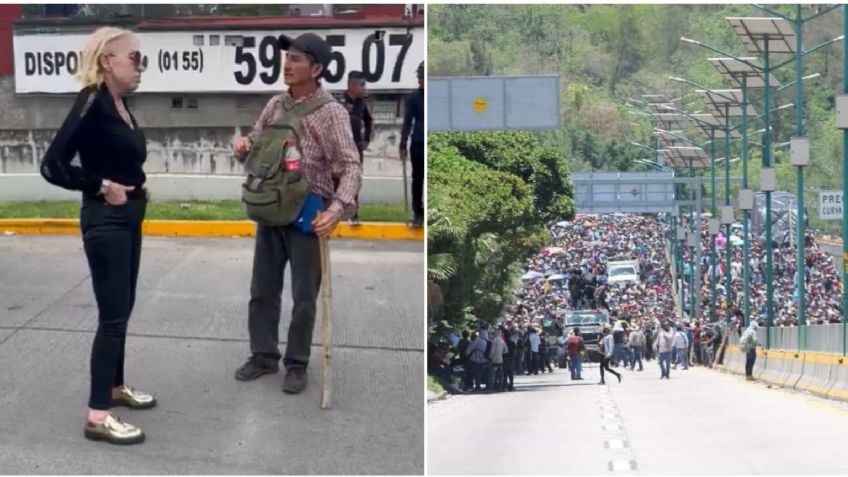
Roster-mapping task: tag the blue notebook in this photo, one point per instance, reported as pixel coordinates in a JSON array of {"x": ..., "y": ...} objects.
[{"x": 312, "y": 206}]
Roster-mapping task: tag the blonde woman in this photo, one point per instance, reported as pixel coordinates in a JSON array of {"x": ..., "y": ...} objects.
[{"x": 111, "y": 150}]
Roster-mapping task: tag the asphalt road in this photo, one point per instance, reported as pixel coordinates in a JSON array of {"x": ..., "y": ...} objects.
[
  {"x": 187, "y": 336},
  {"x": 700, "y": 422}
]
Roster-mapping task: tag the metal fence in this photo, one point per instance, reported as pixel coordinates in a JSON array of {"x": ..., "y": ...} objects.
[{"x": 820, "y": 338}]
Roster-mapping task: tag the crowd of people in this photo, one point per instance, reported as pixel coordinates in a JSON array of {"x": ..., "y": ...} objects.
[
  {"x": 822, "y": 279},
  {"x": 571, "y": 274}
]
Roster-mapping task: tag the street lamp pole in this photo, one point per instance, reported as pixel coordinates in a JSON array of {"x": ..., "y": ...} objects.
[
  {"x": 727, "y": 275},
  {"x": 713, "y": 253},
  {"x": 746, "y": 214},
  {"x": 801, "y": 262},
  {"x": 767, "y": 164},
  {"x": 844, "y": 193}
]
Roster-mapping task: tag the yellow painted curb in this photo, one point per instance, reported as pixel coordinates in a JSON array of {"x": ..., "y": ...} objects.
[{"x": 211, "y": 228}]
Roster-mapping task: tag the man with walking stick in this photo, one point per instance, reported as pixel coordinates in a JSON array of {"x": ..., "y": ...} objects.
[{"x": 299, "y": 168}]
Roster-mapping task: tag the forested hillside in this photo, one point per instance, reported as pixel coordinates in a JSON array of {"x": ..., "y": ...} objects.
[{"x": 605, "y": 54}]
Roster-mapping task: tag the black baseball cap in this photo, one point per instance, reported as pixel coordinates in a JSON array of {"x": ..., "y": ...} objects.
[
  {"x": 421, "y": 69},
  {"x": 310, "y": 44}
]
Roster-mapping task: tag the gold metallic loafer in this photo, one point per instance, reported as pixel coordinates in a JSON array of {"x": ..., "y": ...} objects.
[
  {"x": 114, "y": 431},
  {"x": 133, "y": 399}
]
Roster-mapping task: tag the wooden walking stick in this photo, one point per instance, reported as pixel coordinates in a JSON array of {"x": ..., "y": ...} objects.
[{"x": 326, "y": 323}]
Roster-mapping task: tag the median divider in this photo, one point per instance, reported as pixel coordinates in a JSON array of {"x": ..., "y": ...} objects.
[
  {"x": 839, "y": 382},
  {"x": 211, "y": 228}
]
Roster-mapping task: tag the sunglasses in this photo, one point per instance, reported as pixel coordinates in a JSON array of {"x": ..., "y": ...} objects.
[{"x": 139, "y": 61}]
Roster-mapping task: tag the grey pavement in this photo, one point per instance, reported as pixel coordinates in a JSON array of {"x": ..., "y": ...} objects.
[
  {"x": 700, "y": 422},
  {"x": 188, "y": 333}
]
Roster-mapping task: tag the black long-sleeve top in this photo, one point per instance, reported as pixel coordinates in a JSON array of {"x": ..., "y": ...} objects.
[
  {"x": 414, "y": 111},
  {"x": 361, "y": 121},
  {"x": 108, "y": 147}
]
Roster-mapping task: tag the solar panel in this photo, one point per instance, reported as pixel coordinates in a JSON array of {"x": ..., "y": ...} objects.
[
  {"x": 756, "y": 33},
  {"x": 734, "y": 71},
  {"x": 725, "y": 101}
]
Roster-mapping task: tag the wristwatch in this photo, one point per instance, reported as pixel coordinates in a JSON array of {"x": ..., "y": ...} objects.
[{"x": 104, "y": 187}]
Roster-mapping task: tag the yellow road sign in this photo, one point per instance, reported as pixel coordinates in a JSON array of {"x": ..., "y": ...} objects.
[{"x": 480, "y": 105}]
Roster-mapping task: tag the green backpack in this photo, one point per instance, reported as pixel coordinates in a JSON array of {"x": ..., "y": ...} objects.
[{"x": 271, "y": 195}]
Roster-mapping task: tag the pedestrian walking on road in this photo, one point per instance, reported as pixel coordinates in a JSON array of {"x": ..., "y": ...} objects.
[
  {"x": 608, "y": 348},
  {"x": 112, "y": 149},
  {"x": 664, "y": 347},
  {"x": 576, "y": 347},
  {"x": 748, "y": 345},
  {"x": 637, "y": 346},
  {"x": 544, "y": 353},
  {"x": 680, "y": 343},
  {"x": 325, "y": 148}
]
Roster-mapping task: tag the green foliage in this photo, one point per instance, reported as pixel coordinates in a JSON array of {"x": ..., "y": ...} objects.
[{"x": 489, "y": 196}]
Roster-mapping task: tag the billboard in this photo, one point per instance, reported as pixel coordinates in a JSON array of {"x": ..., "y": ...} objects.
[
  {"x": 225, "y": 61},
  {"x": 494, "y": 103}
]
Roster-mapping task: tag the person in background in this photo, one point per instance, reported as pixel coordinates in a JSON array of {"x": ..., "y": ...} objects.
[
  {"x": 664, "y": 347},
  {"x": 607, "y": 348},
  {"x": 497, "y": 349},
  {"x": 637, "y": 347},
  {"x": 476, "y": 353},
  {"x": 413, "y": 122},
  {"x": 533, "y": 345},
  {"x": 361, "y": 122},
  {"x": 576, "y": 347},
  {"x": 509, "y": 362},
  {"x": 680, "y": 343},
  {"x": 748, "y": 345},
  {"x": 112, "y": 150}
]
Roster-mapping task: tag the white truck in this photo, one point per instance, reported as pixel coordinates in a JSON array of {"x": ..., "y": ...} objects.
[{"x": 623, "y": 271}]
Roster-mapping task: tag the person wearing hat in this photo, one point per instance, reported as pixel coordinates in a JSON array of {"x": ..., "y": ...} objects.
[
  {"x": 361, "y": 122},
  {"x": 415, "y": 114},
  {"x": 327, "y": 149}
]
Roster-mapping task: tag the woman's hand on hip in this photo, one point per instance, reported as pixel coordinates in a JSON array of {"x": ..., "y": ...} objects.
[{"x": 116, "y": 194}]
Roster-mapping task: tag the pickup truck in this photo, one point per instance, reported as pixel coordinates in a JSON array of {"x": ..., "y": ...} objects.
[{"x": 625, "y": 271}]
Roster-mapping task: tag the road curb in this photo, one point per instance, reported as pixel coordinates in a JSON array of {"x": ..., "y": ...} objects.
[{"x": 211, "y": 228}]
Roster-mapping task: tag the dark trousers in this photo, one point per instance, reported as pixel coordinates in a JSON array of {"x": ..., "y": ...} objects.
[
  {"x": 605, "y": 366},
  {"x": 750, "y": 359},
  {"x": 509, "y": 372},
  {"x": 495, "y": 378},
  {"x": 478, "y": 371},
  {"x": 111, "y": 238},
  {"x": 533, "y": 367},
  {"x": 275, "y": 248},
  {"x": 417, "y": 158},
  {"x": 545, "y": 362},
  {"x": 637, "y": 358}
]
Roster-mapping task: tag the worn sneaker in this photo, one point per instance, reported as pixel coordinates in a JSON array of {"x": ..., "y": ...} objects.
[
  {"x": 295, "y": 381},
  {"x": 114, "y": 431},
  {"x": 255, "y": 367}
]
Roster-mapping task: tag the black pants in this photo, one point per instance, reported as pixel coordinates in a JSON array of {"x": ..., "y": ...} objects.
[
  {"x": 750, "y": 359},
  {"x": 605, "y": 365},
  {"x": 276, "y": 247},
  {"x": 417, "y": 159},
  {"x": 111, "y": 238},
  {"x": 509, "y": 372},
  {"x": 535, "y": 364}
]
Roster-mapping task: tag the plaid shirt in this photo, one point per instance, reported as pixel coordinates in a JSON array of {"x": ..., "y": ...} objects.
[{"x": 327, "y": 150}]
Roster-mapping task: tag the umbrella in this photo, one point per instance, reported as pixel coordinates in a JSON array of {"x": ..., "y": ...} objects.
[
  {"x": 531, "y": 275},
  {"x": 553, "y": 250},
  {"x": 558, "y": 276},
  {"x": 564, "y": 223}
]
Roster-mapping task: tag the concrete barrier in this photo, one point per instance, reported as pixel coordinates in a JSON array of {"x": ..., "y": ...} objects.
[
  {"x": 819, "y": 373},
  {"x": 839, "y": 380},
  {"x": 734, "y": 360},
  {"x": 760, "y": 364},
  {"x": 773, "y": 367},
  {"x": 793, "y": 369}
]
